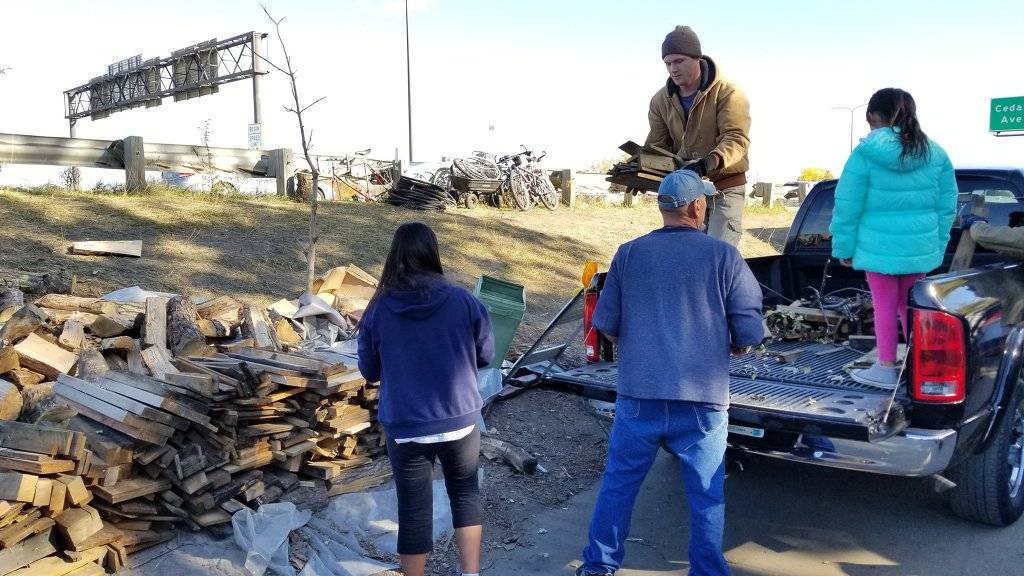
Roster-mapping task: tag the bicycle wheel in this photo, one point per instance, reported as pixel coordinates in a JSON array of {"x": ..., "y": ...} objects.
[
  {"x": 546, "y": 191},
  {"x": 520, "y": 188},
  {"x": 442, "y": 178}
]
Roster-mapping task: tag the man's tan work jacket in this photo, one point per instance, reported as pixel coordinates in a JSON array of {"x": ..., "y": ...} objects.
[{"x": 717, "y": 127}]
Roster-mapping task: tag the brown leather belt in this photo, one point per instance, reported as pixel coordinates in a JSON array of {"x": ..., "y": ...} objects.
[{"x": 730, "y": 181}]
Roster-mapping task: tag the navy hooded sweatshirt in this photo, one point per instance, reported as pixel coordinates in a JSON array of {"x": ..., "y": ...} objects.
[{"x": 425, "y": 347}]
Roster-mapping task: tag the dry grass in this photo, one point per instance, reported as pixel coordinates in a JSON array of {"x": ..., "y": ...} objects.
[{"x": 208, "y": 245}]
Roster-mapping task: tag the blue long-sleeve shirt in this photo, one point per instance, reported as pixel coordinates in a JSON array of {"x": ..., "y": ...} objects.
[
  {"x": 425, "y": 347},
  {"x": 677, "y": 299}
]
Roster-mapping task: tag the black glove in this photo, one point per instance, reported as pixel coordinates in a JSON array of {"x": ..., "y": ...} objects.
[{"x": 700, "y": 167}]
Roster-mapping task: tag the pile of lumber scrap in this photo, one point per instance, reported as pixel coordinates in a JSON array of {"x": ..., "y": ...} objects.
[
  {"x": 645, "y": 168},
  {"x": 303, "y": 413},
  {"x": 120, "y": 423},
  {"x": 50, "y": 521}
]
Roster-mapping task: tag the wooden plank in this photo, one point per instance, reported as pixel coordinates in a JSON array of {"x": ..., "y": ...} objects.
[
  {"x": 130, "y": 489},
  {"x": 104, "y": 536},
  {"x": 159, "y": 361},
  {"x": 109, "y": 415},
  {"x": 114, "y": 405},
  {"x": 76, "y": 304},
  {"x": 117, "y": 343},
  {"x": 966, "y": 246},
  {"x": 45, "y": 467},
  {"x": 44, "y": 357},
  {"x": 75, "y": 525},
  {"x": 155, "y": 328},
  {"x": 224, "y": 308},
  {"x": 212, "y": 518},
  {"x": 656, "y": 163},
  {"x": 257, "y": 326},
  {"x": 72, "y": 335},
  {"x": 91, "y": 364},
  {"x": 107, "y": 325},
  {"x": 58, "y": 317},
  {"x": 26, "y": 552},
  {"x": 136, "y": 365},
  {"x": 56, "y": 566},
  {"x": 131, "y": 248},
  {"x": 77, "y": 493},
  {"x": 99, "y": 390},
  {"x": 202, "y": 384},
  {"x": 213, "y": 328},
  {"x": 8, "y": 359},
  {"x": 18, "y": 487},
  {"x": 195, "y": 483},
  {"x": 58, "y": 498},
  {"x": 89, "y": 569},
  {"x": 149, "y": 393},
  {"x": 111, "y": 446},
  {"x": 44, "y": 492},
  {"x": 24, "y": 527}
]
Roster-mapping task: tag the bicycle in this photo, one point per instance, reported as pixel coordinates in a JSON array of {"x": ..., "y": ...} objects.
[{"x": 526, "y": 183}]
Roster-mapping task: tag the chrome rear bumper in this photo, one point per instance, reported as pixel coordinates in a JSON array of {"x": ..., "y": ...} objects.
[{"x": 914, "y": 452}]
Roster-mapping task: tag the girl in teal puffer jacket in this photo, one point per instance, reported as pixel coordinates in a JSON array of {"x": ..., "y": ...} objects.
[{"x": 895, "y": 204}]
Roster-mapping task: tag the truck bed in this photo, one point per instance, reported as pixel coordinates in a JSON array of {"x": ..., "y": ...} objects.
[{"x": 771, "y": 395}]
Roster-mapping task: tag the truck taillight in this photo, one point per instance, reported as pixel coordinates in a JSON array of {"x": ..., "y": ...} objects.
[
  {"x": 939, "y": 358},
  {"x": 590, "y": 337}
]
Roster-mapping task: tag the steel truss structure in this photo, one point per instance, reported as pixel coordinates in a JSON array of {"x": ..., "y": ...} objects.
[{"x": 188, "y": 73}]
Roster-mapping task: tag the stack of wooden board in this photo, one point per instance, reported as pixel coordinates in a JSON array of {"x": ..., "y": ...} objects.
[
  {"x": 156, "y": 414},
  {"x": 303, "y": 413},
  {"x": 50, "y": 521},
  {"x": 645, "y": 168}
]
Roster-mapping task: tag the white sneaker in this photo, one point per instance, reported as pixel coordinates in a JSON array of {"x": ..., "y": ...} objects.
[{"x": 877, "y": 376}]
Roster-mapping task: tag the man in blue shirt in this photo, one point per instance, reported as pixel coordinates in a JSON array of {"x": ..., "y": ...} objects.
[{"x": 676, "y": 303}]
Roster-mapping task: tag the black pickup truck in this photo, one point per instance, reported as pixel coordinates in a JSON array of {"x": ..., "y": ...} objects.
[{"x": 958, "y": 414}]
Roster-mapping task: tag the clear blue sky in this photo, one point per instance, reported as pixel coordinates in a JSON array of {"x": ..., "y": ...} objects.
[{"x": 572, "y": 77}]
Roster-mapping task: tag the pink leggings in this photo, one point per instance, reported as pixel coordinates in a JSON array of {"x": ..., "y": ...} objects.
[{"x": 890, "y": 298}]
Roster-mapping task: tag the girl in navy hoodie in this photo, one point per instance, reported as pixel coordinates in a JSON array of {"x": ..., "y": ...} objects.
[{"x": 424, "y": 340}]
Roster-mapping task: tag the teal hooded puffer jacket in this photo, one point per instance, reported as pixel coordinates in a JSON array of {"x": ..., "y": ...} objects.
[{"x": 893, "y": 216}]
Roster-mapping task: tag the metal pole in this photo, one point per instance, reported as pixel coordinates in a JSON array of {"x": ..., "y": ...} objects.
[
  {"x": 408, "y": 77},
  {"x": 257, "y": 68},
  {"x": 851, "y": 129},
  {"x": 851, "y": 109}
]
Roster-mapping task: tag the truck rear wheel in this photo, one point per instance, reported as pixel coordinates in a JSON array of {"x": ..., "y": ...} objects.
[{"x": 990, "y": 485}]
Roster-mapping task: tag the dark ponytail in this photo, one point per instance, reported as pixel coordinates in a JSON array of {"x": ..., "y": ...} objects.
[{"x": 897, "y": 109}]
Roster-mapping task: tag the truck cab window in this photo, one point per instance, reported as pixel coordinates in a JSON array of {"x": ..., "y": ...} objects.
[{"x": 814, "y": 229}]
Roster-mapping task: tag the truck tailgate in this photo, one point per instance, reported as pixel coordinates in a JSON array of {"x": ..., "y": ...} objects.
[{"x": 812, "y": 395}]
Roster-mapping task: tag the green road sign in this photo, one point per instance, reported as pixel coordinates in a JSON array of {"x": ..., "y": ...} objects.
[{"x": 1006, "y": 114}]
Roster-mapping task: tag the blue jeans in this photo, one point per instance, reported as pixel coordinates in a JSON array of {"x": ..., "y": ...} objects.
[{"x": 696, "y": 435}]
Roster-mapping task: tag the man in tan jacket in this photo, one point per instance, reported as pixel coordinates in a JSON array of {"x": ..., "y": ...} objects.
[{"x": 704, "y": 119}]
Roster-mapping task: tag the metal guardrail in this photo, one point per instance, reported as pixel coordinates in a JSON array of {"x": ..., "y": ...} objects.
[{"x": 135, "y": 157}]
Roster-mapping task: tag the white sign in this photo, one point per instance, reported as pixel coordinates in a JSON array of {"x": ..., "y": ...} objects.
[{"x": 255, "y": 136}]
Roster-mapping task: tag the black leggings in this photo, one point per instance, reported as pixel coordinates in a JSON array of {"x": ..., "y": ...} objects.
[{"x": 413, "y": 465}]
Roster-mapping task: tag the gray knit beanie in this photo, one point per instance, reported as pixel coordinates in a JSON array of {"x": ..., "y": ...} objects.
[{"x": 682, "y": 40}]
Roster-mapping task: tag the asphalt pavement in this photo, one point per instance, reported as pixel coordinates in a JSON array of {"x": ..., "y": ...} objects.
[{"x": 784, "y": 519}]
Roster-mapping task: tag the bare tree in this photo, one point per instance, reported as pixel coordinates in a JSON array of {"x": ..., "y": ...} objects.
[{"x": 288, "y": 70}]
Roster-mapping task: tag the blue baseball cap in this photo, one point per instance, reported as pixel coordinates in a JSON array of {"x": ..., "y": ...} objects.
[{"x": 682, "y": 187}]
